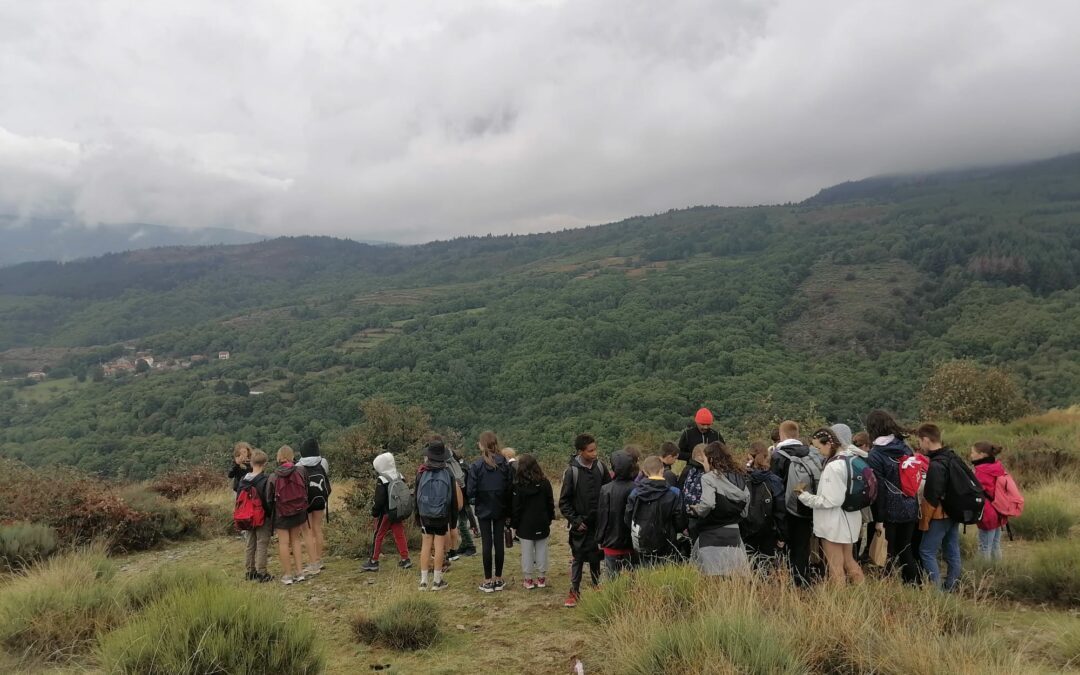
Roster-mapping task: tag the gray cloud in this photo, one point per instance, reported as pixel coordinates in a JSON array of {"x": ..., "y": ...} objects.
[{"x": 413, "y": 121}]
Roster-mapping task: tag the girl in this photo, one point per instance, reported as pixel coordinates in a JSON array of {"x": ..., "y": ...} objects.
[
  {"x": 241, "y": 465},
  {"x": 286, "y": 492},
  {"x": 989, "y": 470},
  {"x": 434, "y": 529},
  {"x": 533, "y": 511},
  {"x": 837, "y": 529},
  {"x": 898, "y": 512},
  {"x": 318, "y": 476},
  {"x": 489, "y": 491},
  {"x": 387, "y": 474},
  {"x": 719, "y": 548},
  {"x": 762, "y": 542}
]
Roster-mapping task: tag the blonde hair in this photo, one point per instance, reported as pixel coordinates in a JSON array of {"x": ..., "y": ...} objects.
[
  {"x": 509, "y": 453},
  {"x": 241, "y": 449},
  {"x": 698, "y": 454},
  {"x": 789, "y": 429},
  {"x": 258, "y": 458},
  {"x": 489, "y": 446},
  {"x": 285, "y": 454},
  {"x": 652, "y": 466}
]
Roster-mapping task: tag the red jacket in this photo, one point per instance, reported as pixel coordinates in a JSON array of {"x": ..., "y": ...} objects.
[{"x": 988, "y": 471}]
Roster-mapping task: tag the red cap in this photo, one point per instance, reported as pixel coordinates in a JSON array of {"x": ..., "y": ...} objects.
[{"x": 703, "y": 417}]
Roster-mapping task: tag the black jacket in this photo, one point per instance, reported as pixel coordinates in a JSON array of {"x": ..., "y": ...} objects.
[
  {"x": 489, "y": 488},
  {"x": 579, "y": 503},
  {"x": 611, "y": 528},
  {"x": 237, "y": 472},
  {"x": 937, "y": 476},
  {"x": 779, "y": 511},
  {"x": 533, "y": 510},
  {"x": 381, "y": 505},
  {"x": 692, "y": 437},
  {"x": 259, "y": 482},
  {"x": 658, "y": 490}
]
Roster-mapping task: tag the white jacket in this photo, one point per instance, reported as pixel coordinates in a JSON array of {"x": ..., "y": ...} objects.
[{"x": 831, "y": 522}]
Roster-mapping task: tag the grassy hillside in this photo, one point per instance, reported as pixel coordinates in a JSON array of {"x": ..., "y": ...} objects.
[{"x": 818, "y": 310}]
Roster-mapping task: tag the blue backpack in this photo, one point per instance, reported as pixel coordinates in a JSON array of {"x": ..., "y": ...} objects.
[
  {"x": 862, "y": 485},
  {"x": 433, "y": 493}
]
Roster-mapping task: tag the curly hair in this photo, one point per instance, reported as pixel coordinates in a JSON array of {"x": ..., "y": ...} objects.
[
  {"x": 528, "y": 470},
  {"x": 720, "y": 460}
]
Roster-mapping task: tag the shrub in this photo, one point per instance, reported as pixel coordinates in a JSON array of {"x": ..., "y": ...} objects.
[
  {"x": 966, "y": 392},
  {"x": 409, "y": 624},
  {"x": 176, "y": 483},
  {"x": 1048, "y": 513},
  {"x": 671, "y": 589},
  {"x": 145, "y": 589},
  {"x": 1051, "y": 573},
  {"x": 24, "y": 543},
  {"x": 55, "y": 610},
  {"x": 204, "y": 628}
]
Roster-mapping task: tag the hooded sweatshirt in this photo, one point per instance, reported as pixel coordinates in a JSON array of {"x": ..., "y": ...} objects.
[
  {"x": 579, "y": 499},
  {"x": 489, "y": 488},
  {"x": 612, "y": 533},
  {"x": 667, "y": 498},
  {"x": 831, "y": 522},
  {"x": 259, "y": 481},
  {"x": 724, "y": 499},
  {"x": 988, "y": 470},
  {"x": 386, "y": 468},
  {"x": 937, "y": 484},
  {"x": 533, "y": 509},
  {"x": 779, "y": 511},
  {"x": 884, "y": 458},
  {"x": 286, "y": 469}
]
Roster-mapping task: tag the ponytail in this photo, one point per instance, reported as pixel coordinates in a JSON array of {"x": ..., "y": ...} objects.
[
  {"x": 987, "y": 448},
  {"x": 489, "y": 446}
]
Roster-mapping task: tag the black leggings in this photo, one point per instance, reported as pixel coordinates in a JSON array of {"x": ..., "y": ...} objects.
[
  {"x": 491, "y": 532},
  {"x": 901, "y": 551}
]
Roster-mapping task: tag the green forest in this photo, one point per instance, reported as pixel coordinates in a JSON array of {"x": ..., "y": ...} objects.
[{"x": 817, "y": 310}]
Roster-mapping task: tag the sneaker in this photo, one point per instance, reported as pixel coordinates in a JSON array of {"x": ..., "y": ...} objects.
[
  {"x": 251, "y": 575},
  {"x": 403, "y": 564},
  {"x": 287, "y": 580},
  {"x": 446, "y": 566},
  {"x": 439, "y": 585},
  {"x": 311, "y": 569},
  {"x": 571, "y": 600},
  {"x": 453, "y": 554},
  {"x": 528, "y": 584},
  {"x": 468, "y": 552},
  {"x": 370, "y": 566},
  {"x": 499, "y": 585},
  {"x": 300, "y": 578},
  {"x": 541, "y": 582},
  {"x": 264, "y": 577},
  {"x": 487, "y": 587},
  {"x": 423, "y": 585}
]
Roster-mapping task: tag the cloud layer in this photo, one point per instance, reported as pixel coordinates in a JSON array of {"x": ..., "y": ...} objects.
[{"x": 413, "y": 121}]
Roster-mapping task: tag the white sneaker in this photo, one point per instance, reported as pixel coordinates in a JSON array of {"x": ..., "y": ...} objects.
[
  {"x": 300, "y": 578},
  {"x": 311, "y": 569},
  {"x": 287, "y": 580}
]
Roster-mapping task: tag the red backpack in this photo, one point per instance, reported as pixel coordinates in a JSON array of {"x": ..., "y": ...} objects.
[
  {"x": 913, "y": 470},
  {"x": 290, "y": 493},
  {"x": 248, "y": 513},
  {"x": 1007, "y": 498}
]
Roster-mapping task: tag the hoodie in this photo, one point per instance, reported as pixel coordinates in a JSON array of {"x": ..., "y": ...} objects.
[
  {"x": 937, "y": 483},
  {"x": 386, "y": 468},
  {"x": 309, "y": 462},
  {"x": 259, "y": 480},
  {"x": 489, "y": 488},
  {"x": 579, "y": 499},
  {"x": 666, "y": 498},
  {"x": 286, "y": 469},
  {"x": 884, "y": 458},
  {"x": 612, "y": 533},
  {"x": 533, "y": 509},
  {"x": 988, "y": 470}
]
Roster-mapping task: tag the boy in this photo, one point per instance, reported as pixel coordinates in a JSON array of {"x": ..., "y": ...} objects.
[
  {"x": 579, "y": 503},
  {"x": 940, "y": 532},
  {"x": 799, "y": 523},
  {"x": 612, "y": 533},
  {"x": 258, "y": 540},
  {"x": 669, "y": 454},
  {"x": 386, "y": 522},
  {"x": 654, "y": 516}
]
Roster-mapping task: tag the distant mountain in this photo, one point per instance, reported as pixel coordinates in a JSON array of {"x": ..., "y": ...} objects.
[{"x": 25, "y": 240}]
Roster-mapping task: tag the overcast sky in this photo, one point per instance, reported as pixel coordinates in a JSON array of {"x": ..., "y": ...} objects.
[{"x": 409, "y": 121}]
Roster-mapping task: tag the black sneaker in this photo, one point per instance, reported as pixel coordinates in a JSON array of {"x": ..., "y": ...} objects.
[
  {"x": 487, "y": 587},
  {"x": 499, "y": 585},
  {"x": 452, "y": 554},
  {"x": 403, "y": 564},
  {"x": 469, "y": 552},
  {"x": 370, "y": 566},
  {"x": 264, "y": 577},
  {"x": 439, "y": 585}
]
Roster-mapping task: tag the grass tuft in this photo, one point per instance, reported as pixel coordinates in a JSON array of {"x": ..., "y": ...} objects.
[{"x": 412, "y": 623}]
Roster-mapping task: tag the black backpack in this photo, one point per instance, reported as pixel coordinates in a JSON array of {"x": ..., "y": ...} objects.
[
  {"x": 759, "y": 514},
  {"x": 964, "y": 498},
  {"x": 649, "y": 527},
  {"x": 318, "y": 491}
]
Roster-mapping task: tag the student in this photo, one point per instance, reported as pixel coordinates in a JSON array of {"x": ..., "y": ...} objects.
[
  {"x": 438, "y": 500},
  {"x": 241, "y": 465},
  {"x": 386, "y": 520},
  {"x": 318, "y": 479},
  {"x": 763, "y": 532},
  {"x": 654, "y": 516},
  {"x": 258, "y": 542},
  {"x": 286, "y": 491},
  {"x": 837, "y": 529},
  {"x": 941, "y": 534},
  {"x": 510, "y": 455},
  {"x": 719, "y": 549},
  {"x": 531, "y": 516},
  {"x": 861, "y": 441},
  {"x": 489, "y": 491},
  {"x": 698, "y": 433},
  {"x": 579, "y": 501},
  {"x": 612, "y": 533},
  {"x": 461, "y": 532},
  {"x": 669, "y": 454},
  {"x": 843, "y": 434},
  {"x": 796, "y": 464},
  {"x": 895, "y": 510},
  {"x": 1001, "y": 493}
]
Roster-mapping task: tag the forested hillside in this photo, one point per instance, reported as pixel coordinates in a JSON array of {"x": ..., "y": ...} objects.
[{"x": 822, "y": 309}]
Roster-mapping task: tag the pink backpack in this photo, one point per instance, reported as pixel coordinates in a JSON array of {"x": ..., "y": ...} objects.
[{"x": 1007, "y": 498}]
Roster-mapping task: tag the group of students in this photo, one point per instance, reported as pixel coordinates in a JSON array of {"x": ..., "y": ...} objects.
[{"x": 833, "y": 496}]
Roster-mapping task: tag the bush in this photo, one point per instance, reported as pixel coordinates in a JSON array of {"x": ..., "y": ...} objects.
[
  {"x": 56, "y": 610},
  {"x": 1048, "y": 513},
  {"x": 145, "y": 589},
  {"x": 176, "y": 483},
  {"x": 24, "y": 543},
  {"x": 670, "y": 587},
  {"x": 965, "y": 392},
  {"x": 204, "y": 629},
  {"x": 1051, "y": 573},
  {"x": 409, "y": 624}
]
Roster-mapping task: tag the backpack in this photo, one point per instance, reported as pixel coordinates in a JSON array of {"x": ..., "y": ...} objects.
[
  {"x": 1007, "y": 498},
  {"x": 964, "y": 499},
  {"x": 249, "y": 513},
  {"x": 399, "y": 500},
  {"x": 805, "y": 471},
  {"x": 649, "y": 527},
  {"x": 318, "y": 490},
  {"x": 691, "y": 490},
  {"x": 913, "y": 473},
  {"x": 290, "y": 494},
  {"x": 433, "y": 493},
  {"x": 862, "y": 485},
  {"x": 759, "y": 513},
  {"x": 577, "y": 471}
]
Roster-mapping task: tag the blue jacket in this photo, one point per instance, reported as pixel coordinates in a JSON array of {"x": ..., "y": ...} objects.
[
  {"x": 489, "y": 488},
  {"x": 885, "y": 461}
]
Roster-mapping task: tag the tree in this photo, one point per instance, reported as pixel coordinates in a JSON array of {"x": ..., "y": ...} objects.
[
  {"x": 240, "y": 388},
  {"x": 966, "y": 392},
  {"x": 141, "y": 366}
]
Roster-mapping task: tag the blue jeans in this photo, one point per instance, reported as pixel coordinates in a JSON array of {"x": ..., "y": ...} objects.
[
  {"x": 944, "y": 536},
  {"x": 990, "y": 544}
]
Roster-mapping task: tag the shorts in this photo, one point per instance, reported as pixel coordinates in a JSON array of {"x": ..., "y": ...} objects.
[
  {"x": 312, "y": 509},
  {"x": 434, "y": 526}
]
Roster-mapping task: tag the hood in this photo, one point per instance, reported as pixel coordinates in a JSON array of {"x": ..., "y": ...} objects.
[
  {"x": 386, "y": 466},
  {"x": 793, "y": 448},
  {"x": 843, "y": 432},
  {"x": 285, "y": 469},
  {"x": 314, "y": 460},
  {"x": 945, "y": 454},
  {"x": 528, "y": 489},
  {"x": 576, "y": 461},
  {"x": 896, "y": 448},
  {"x": 758, "y": 476},
  {"x": 622, "y": 464},
  {"x": 651, "y": 489}
]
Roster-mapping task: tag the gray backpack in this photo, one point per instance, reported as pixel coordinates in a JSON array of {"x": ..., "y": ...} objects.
[
  {"x": 805, "y": 471},
  {"x": 399, "y": 499}
]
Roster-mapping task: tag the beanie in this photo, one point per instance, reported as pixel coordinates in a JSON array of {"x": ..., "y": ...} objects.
[
  {"x": 703, "y": 417},
  {"x": 309, "y": 448}
]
